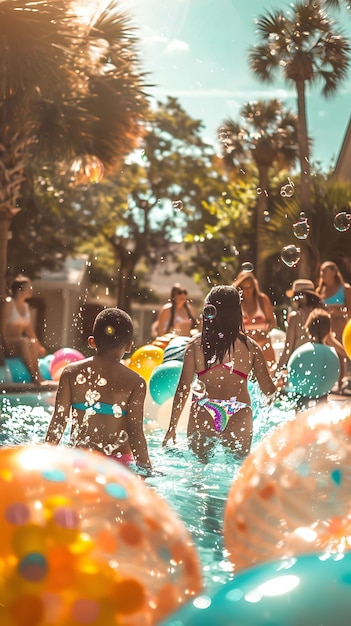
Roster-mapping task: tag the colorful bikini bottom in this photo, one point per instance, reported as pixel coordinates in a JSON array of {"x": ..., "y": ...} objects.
[
  {"x": 221, "y": 410},
  {"x": 125, "y": 459}
]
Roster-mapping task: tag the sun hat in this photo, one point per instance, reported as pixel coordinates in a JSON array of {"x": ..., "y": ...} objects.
[{"x": 301, "y": 285}]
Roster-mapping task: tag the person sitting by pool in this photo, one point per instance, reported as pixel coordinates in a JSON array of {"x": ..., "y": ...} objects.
[
  {"x": 18, "y": 334},
  {"x": 258, "y": 314},
  {"x": 105, "y": 398},
  {"x": 176, "y": 316},
  {"x": 318, "y": 327},
  {"x": 336, "y": 296},
  {"x": 222, "y": 356},
  {"x": 305, "y": 299}
]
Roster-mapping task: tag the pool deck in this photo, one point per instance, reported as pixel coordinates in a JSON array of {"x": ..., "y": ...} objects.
[{"x": 48, "y": 385}]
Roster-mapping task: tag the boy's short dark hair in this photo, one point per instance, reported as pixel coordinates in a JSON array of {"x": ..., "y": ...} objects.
[
  {"x": 113, "y": 328},
  {"x": 318, "y": 324}
]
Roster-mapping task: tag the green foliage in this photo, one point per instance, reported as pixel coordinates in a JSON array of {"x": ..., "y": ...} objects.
[
  {"x": 68, "y": 86},
  {"x": 324, "y": 242},
  {"x": 222, "y": 237}
]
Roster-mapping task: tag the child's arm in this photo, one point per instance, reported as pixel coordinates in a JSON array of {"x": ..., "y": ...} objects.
[
  {"x": 331, "y": 341},
  {"x": 289, "y": 340},
  {"x": 260, "y": 370},
  {"x": 136, "y": 435},
  {"x": 181, "y": 393},
  {"x": 61, "y": 413}
]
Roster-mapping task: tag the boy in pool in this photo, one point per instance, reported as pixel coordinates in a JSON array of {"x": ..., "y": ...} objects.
[
  {"x": 222, "y": 357},
  {"x": 319, "y": 327},
  {"x": 105, "y": 398}
]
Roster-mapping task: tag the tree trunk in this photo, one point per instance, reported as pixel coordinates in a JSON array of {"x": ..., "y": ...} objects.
[
  {"x": 5, "y": 222},
  {"x": 261, "y": 207},
  {"x": 304, "y": 152},
  {"x": 304, "y": 267},
  {"x": 125, "y": 262}
]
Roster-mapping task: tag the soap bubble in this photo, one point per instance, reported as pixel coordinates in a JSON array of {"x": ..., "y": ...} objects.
[
  {"x": 86, "y": 169},
  {"x": 342, "y": 221},
  {"x": 290, "y": 255},
  {"x": 209, "y": 312},
  {"x": 301, "y": 228},
  {"x": 177, "y": 205},
  {"x": 247, "y": 267},
  {"x": 287, "y": 190}
]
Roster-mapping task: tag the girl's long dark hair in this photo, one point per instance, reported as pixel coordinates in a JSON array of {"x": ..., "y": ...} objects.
[{"x": 220, "y": 333}]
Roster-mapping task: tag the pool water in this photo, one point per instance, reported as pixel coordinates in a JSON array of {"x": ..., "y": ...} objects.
[{"x": 197, "y": 492}]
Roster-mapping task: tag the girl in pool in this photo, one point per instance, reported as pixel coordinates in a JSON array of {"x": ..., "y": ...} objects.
[
  {"x": 221, "y": 357},
  {"x": 106, "y": 397}
]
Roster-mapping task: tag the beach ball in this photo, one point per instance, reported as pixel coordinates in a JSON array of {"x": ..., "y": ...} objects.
[
  {"x": 164, "y": 380},
  {"x": 175, "y": 350},
  {"x": 145, "y": 359},
  {"x": 5, "y": 374},
  {"x": 313, "y": 370},
  {"x": 45, "y": 366},
  {"x": 311, "y": 590},
  {"x": 84, "y": 541},
  {"x": 346, "y": 338},
  {"x": 18, "y": 370},
  {"x": 292, "y": 494},
  {"x": 61, "y": 358}
]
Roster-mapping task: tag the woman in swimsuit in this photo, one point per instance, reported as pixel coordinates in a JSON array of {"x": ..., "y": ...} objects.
[
  {"x": 258, "y": 314},
  {"x": 176, "y": 316},
  {"x": 216, "y": 366},
  {"x": 17, "y": 330},
  {"x": 304, "y": 299},
  {"x": 336, "y": 296},
  {"x": 104, "y": 397}
]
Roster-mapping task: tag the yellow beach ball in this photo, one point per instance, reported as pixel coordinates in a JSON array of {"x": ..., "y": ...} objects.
[
  {"x": 145, "y": 359},
  {"x": 346, "y": 338}
]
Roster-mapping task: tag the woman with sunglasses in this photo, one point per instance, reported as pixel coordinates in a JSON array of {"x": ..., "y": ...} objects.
[
  {"x": 216, "y": 367},
  {"x": 176, "y": 316}
]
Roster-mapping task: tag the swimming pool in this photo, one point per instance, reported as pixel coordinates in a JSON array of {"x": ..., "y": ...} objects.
[{"x": 195, "y": 491}]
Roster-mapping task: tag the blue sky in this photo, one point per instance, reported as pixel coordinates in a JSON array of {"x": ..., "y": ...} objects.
[{"x": 196, "y": 50}]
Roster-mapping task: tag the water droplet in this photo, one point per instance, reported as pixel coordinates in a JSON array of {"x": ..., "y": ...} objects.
[
  {"x": 177, "y": 205},
  {"x": 102, "y": 382},
  {"x": 198, "y": 388},
  {"x": 123, "y": 437},
  {"x": 209, "y": 312},
  {"x": 342, "y": 221},
  {"x": 247, "y": 267},
  {"x": 301, "y": 228},
  {"x": 290, "y": 255}
]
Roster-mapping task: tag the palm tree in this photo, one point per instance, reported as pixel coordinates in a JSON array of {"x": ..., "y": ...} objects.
[
  {"x": 336, "y": 4},
  {"x": 68, "y": 86},
  {"x": 304, "y": 45},
  {"x": 269, "y": 137}
]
